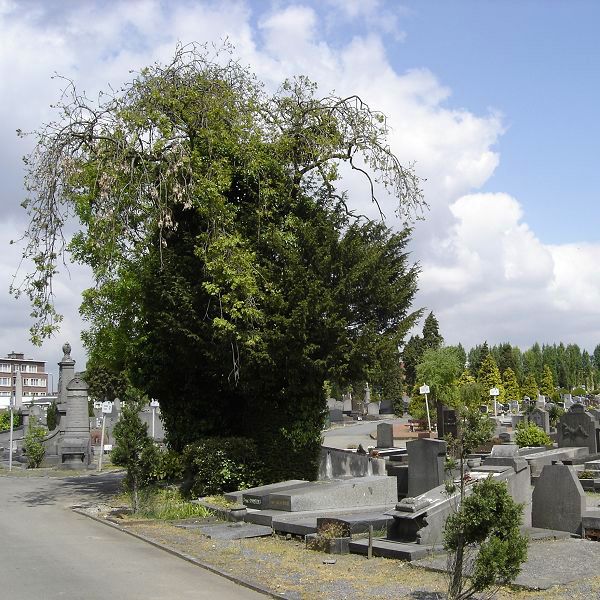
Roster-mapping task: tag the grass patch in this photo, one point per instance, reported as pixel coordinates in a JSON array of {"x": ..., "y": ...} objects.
[
  {"x": 220, "y": 501},
  {"x": 167, "y": 504}
]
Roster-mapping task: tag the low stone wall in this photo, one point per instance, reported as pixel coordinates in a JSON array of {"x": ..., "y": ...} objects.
[{"x": 335, "y": 463}]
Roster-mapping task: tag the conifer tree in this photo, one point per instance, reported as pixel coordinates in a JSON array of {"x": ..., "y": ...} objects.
[
  {"x": 489, "y": 377},
  {"x": 547, "y": 383},
  {"x": 511, "y": 386}
]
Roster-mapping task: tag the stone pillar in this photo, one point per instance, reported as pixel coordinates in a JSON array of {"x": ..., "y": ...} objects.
[
  {"x": 66, "y": 372},
  {"x": 75, "y": 447}
]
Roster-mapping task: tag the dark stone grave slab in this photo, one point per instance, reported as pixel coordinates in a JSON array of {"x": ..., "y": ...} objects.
[
  {"x": 577, "y": 428},
  {"x": 385, "y": 435},
  {"x": 229, "y": 531},
  {"x": 426, "y": 458}
]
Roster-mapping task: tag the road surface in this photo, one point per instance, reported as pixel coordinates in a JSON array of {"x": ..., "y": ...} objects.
[
  {"x": 48, "y": 552},
  {"x": 356, "y": 433}
]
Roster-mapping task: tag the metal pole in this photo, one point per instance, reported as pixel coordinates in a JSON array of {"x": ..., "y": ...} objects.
[
  {"x": 101, "y": 443},
  {"x": 370, "y": 548},
  {"x": 153, "y": 413},
  {"x": 428, "y": 419},
  {"x": 10, "y": 452}
]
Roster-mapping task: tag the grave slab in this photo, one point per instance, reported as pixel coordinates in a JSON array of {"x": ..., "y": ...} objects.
[
  {"x": 229, "y": 531},
  {"x": 237, "y": 496},
  {"x": 340, "y": 493}
]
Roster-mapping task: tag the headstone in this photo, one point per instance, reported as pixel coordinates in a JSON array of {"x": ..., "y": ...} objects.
[
  {"x": 385, "y": 435},
  {"x": 558, "y": 499},
  {"x": 386, "y": 407},
  {"x": 446, "y": 421},
  {"x": 595, "y": 413},
  {"x": 336, "y": 415},
  {"x": 577, "y": 428},
  {"x": 426, "y": 459},
  {"x": 373, "y": 409},
  {"x": 541, "y": 418},
  {"x": 347, "y": 403}
]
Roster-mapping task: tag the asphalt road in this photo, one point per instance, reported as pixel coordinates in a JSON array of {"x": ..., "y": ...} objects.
[
  {"x": 356, "y": 433},
  {"x": 48, "y": 552}
]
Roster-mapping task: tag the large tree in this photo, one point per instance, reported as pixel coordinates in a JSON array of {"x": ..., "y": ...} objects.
[{"x": 231, "y": 276}]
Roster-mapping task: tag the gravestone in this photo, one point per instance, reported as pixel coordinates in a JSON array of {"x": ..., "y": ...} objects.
[
  {"x": 373, "y": 409},
  {"x": 386, "y": 407},
  {"x": 577, "y": 428},
  {"x": 541, "y": 418},
  {"x": 335, "y": 415},
  {"x": 446, "y": 421},
  {"x": 347, "y": 403},
  {"x": 385, "y": 435},
  {"x": 426, "y": 458},
  {"x": 558, "y": 499},
  {"x": 595, "y": 413}
]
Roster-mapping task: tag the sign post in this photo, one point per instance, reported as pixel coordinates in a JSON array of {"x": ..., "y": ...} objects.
[
  {"x": 424, "y": 389},
  {"x": 106, "y": 409},
  {"x": 154, "y": 405},
  {"x": 495, "y": 392}
]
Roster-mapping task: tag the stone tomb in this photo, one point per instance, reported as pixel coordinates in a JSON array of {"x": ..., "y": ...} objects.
[
  {"x": 558, "y": 499},
  {"x": 541, "y": 418},
  {"x": 446, "y": 421},
  {"x": 578, "y": 428},
  {"x": 426, "y": 458},
  {"x": 337, "y": 493}
]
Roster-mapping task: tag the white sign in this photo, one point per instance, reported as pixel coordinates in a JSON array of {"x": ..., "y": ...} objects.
[
  {"x": 97, "y": 405},
  {"x": 424, "y": 389},
  {"x": 154, "y": 404},
  {"x": 107, "y": 407},
  {"x": 494, "y": 392}
]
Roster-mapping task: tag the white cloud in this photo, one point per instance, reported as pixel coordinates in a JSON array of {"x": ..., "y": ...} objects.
[{"x": 485, "y": 273}]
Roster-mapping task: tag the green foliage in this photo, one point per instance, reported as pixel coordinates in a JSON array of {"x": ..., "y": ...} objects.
[
  {"x": 439, "y": 369},
  {"x": 578, "y": 391},
  {"x": 512, "y": 393},
  {"x": 432, "y": 339},
  {"x": 530, "y": 387},
  {"x": 555, "y": 412},
  {"x": 223, "y": 249},
  {"x": 489, "y": 377},
  {"x": 219, "y": 465},
  {"x": 134, "y": 450},
  {"x": 167, "y": 504},
  {"x": 547, "y": 382},
  {"x": 52, "y": 416},
  {"x": 33, "y": 446},
  {"x": 416, "y": 406},
  {"x": 5, "y": 420},
  {"x": 529, "y": 434},
  {"x": 483, "y": 537}
]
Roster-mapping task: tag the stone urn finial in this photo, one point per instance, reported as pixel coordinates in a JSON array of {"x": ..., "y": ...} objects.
[{"x": 67, "y": 351}]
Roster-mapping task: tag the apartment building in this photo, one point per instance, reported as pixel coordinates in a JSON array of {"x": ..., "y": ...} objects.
[{"x": 33, "y": 375}]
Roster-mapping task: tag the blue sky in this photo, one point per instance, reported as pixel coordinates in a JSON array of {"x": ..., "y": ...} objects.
[{"x": 497, "y": 102}]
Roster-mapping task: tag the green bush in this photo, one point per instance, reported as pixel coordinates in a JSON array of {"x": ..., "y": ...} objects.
[
  {"x": 5, "y": 420},
  {"x": 217, "y": 465},
  {"x": 529, "y": 434},
  {"x": 167, "y": 504},
  {"x": 168, "y": 466},
  {"x": 33, "y": 446},
  {"x": 555, "y": 412}
]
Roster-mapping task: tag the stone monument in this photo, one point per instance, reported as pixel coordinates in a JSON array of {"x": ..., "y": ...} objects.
[
  {"x": 426, "y": 460},
  {"x": 75, "y": 447},
  {"x": 578, "y": 428},
  {"x": 541, "y": 418}
]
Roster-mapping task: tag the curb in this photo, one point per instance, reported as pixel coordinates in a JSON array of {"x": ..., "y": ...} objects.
[{"x": 187, "y": 557}]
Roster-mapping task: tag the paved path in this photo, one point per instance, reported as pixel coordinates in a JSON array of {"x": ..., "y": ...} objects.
[
  {"x": 48, "y": 552},
  {"x": 357, "y": 433}
]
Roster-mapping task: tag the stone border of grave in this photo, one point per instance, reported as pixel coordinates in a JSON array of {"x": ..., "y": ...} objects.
[{"x": 187, "y": 557}]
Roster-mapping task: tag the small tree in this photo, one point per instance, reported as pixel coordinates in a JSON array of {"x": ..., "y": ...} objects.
[
  {"x": 482, "y": 535},
  {"x": 511, "y": 386},
  {"x": 489, "y": 377},
  {"x": 530, "y": 388},
  {"x": 547, "y": 382},
  {"x": 133, "y": 450},
  {"x": 33, "y": 445}
]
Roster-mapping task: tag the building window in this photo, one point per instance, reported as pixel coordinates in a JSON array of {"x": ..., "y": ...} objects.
[
  {"x": 5, "y": 381},
  {"x": 34, "y": 381},
  {"x": 4, "y": 393},
  {"x": 4, "y": 368},
  {"x": 32, "y": 368}
]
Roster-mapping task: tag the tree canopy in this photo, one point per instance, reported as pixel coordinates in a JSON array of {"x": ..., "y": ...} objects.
[{"x": 231, "y": 275}]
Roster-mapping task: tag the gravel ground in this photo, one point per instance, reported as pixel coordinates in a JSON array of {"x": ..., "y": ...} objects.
[{"x": 286, "y": 567}]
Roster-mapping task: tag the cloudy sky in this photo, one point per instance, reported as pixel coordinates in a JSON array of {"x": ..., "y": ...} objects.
[{"x": 496, "y": 102}]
